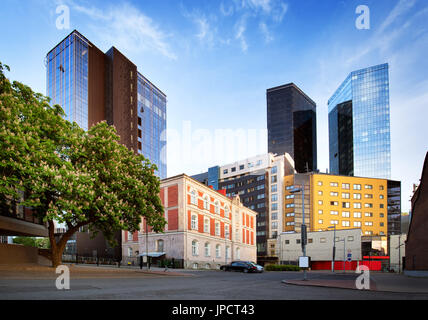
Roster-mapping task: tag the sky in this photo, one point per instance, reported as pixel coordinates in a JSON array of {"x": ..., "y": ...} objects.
[{"x": 215, "y": 59}]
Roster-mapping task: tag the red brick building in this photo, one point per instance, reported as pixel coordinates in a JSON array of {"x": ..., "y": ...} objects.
[{"x": 205, "y": 229}]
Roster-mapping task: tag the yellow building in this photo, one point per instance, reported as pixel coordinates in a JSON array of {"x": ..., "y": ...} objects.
[{"x": 347, "y": 202}]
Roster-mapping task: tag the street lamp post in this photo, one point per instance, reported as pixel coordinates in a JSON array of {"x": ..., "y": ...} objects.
[
  {"x": 334, "y": 247},
  {"x": 303, "y": 227}
]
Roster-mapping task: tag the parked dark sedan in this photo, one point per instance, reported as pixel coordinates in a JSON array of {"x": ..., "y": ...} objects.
[{"x": 243, "y": 266}]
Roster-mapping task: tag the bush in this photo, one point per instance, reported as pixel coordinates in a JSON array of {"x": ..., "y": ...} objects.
[{"x": 281, "y": 267}]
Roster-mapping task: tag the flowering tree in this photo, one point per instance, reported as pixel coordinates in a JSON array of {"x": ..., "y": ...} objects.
[{"x": 68, "y": 175}]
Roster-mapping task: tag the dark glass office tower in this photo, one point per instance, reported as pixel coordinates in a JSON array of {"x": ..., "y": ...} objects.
[
  {"x": 291, "y": 122},
  {"x": 359, "y": 125}
]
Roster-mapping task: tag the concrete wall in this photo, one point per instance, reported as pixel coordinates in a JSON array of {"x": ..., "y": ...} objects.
[
  {"x": 397, "y": 251},
  {"x": 18, "y": 254},
  {"x": 321, "y": 248}
]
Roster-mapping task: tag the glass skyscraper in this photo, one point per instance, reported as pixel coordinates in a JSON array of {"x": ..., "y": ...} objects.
[
  {"x": 152, "y": 124},
  {"x": 67, "y": 78},
  {"x": 92, "y": 86},
  {"x": 292, "y": 125},
  {"x": 359, "y": 125}
]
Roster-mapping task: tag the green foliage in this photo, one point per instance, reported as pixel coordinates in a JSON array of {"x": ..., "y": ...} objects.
[
  {"x": 281, "y": 267},
  {"x": 42, "y": 243},
  {"x": 68, "y": 175}
]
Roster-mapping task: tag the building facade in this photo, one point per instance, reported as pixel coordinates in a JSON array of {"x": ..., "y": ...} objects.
[
  {"x": 93, "y": 86},
  {"x": 258, "y": 181},
  {"x": 205, "y": 228},
  {"x": 291, "y": 124},
  {"x": 417, "y": 236},
  {"x": 319, "y": 246},
  {"x": 359, "y": 125}
]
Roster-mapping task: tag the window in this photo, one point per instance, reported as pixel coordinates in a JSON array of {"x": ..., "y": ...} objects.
[
  {"x": 130, "y": 236},
  {"x": 368, "y": 205},
  {"x": 333, "y": 184},
  {"x": 368, "y": 223},
  {"x": 159, "y": 245},
  {"x": 195, "y": 248},
  {"x": 320, "y": 221},
  {"x": 206, "y": 225},
  {"x": 381, "y": 215},
  {"x": 193, "y": 197},
  {"x": 345, "y": 195},
  {"x": 290, "y": 223},
  {"x": 274, "y": 188},
  {"x": 310, "y": 240},
  {"x": 290, "y": 214},
  {"x": 275, "y": 197},
  {"x": 320, "y": 202},
  {"x": 345, "y": 186},
  {"x": 350, "y": 238},
  {"x": 129, "y": 252},
  {"x": 334, "y": 222},
  {"x": 297, "y": 241},
  {"x": 320, "y": 183},
  {"x": 345, "y": 223},
  {"x": 368, "y": 214},
  {"x": 381, "y": 224},
  {"x": 217, "y": 228},
  {"x": 357, "y": 214},
  {"x": 368, "y": 186},
  {"x": 274, "y": 179},
  {"x": 274, "y": 170},
  {"x": 381, "y": 187},
  {"x": 322, "y": 240},
  {"x": 357, "y": 186},
  {"x": 334, "y": 194},
  {"x": 320, "y": 211},
  {"x": 381, "y": 196},
  {"x": 226, "y": 212},
  {"x": 274, "y": 225},
  {"x": 381, "y": 206},
  {"x": 368, "y": 232},
  {"x": 194, "y": 222},
  {"x": 233, "y": 169},
  {"x": 260, "y": 178},
  {"x": 357, "y": 223},
  {"x": 225, "y": 171},
  {"x": 287, "y": 241},
  {"x": 290, "y": 205},
  {"x": 320, "y": 193},
  {"x": 241, "y": 167},
  {"x": 357, "y": 205},
  {"x": 217, "y": 251},
  {"x": 346, "y": 205},
  {"x": 346, "y": 214},
  {"x": 334, "y": 213},
  {"x": 334, "y": 203},
  {"x": 207, "y": 249},
  {"x": 195, "y": 266},
  {"x": 368, "y": 196},
  {"x": 290, "y": 196},
  {"x": 206, "y": 203},
  {"x": 357, "y": 196},
  {"x": 275, "y": 206},
  {"x": 274, "y": 215},
  {"x": 217, "y": 207},
  {"x": 226, "y": 231}
]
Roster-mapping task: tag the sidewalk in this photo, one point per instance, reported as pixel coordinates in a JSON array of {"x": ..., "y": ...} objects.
[{"x": 385, "y": 282}]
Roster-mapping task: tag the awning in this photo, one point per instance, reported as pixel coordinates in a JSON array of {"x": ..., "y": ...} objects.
[{"x": 152, "y": 254}]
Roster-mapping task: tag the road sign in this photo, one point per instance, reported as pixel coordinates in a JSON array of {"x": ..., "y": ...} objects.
[
  {"x": 349, "y": 257},
  {"x": 304, "y": 262}
]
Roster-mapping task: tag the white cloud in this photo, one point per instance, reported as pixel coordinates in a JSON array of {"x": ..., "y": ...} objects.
[
  {"x": 264, "y": 29},
  {"x": 239, "y": 34},
  {"x": 128, "y": 28}
]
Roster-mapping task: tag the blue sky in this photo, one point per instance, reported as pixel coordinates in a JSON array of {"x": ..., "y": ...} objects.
[{"x": 215, "y": 60}]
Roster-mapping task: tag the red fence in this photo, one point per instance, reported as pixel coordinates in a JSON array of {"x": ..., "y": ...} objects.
[{"x": 338, "y": 265}]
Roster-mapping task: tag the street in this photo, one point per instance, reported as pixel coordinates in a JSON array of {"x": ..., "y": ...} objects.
[{"x": 189, "y": 285}]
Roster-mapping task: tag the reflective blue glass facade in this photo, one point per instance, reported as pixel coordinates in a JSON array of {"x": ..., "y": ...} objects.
[
  {"x": 152, "y": 124},
  {"x": 67, "y": 78},
  {"x": 366, "y": 91}
]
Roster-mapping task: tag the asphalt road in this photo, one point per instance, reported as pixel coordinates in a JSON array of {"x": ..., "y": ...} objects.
[{"x": 203, "y": 285}]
